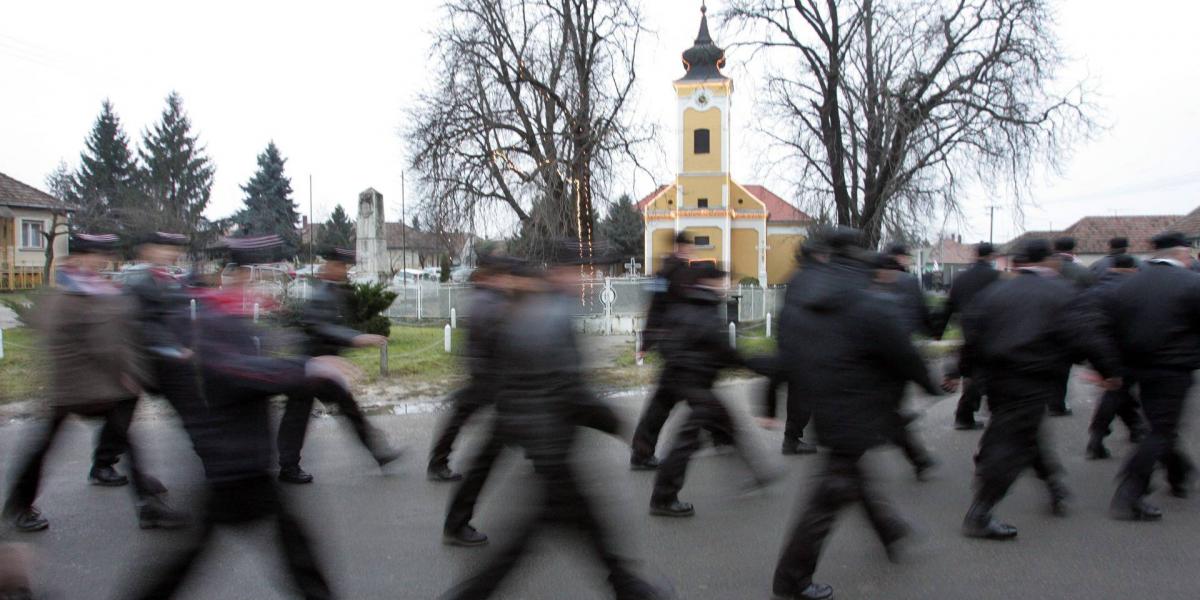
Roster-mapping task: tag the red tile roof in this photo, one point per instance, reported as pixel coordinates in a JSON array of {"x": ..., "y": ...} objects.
[
  {"x": 641, "y": 204},
  {"x": 15, "y": 193},
  {"x": 1092, "y": 233},
  {"x": 1188, "y": 225},
  {"x": 953, "y": 252},
  {"x": 778, "y": 209}
]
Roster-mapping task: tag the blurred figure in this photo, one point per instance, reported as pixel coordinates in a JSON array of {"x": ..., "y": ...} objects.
[
  {"x": 490, "y": 301},
  {"x": 1113, "y": 403},
  {"x": 324, "y": 324},
  {"x": 1023, "y": 334},
  {"x": 966, "y": 287},
  {"x": 1155, "y": 315},
  {"x": 239, "y": 380},
  {"x": 1081, "y": 279},
  {"x": 695, "y": 347},
  {"x": 1118, "y": 246},
  {"x": 890, "y": 286},
  {"x": 542, "y": 402},
  {"x": 14, "y": 571},
  {"x": 906, "y": 289},
  {"x": 855, "y": 355},
  {"x": 95, "y": 371},
  {"x": 667, "y": 295}
]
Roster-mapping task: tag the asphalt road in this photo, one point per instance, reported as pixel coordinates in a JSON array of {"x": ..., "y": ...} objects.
[{"x": 379, "y": 536}]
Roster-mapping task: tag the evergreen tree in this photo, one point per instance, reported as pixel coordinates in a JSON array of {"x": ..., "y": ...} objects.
[
  {"x": 624, "y": 229},
  {"x": 269, "y": 207},
  {"x": 176, "y": 174},
  {"x": 338, "y": 231},
  {"x": 105, "y": 185}
]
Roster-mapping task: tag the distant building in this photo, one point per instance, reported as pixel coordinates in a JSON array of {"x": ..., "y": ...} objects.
[
  {"x": 746, "y": 229},
  {"x": 1093, "y": 233},
  {"x": 25, "y": 213}
]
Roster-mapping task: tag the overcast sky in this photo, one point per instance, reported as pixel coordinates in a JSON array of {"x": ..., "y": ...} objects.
[{"x": 328, "y": 82}]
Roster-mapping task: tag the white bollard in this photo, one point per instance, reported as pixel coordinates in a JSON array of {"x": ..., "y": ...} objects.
[
  {"x": 768, "y": 324},
  {"x": 255, "y": 312},
  {"x": 732, "y": 334},
  {"x": 193, "y": 309},
  {"x": 446, "y": 341},
  {"x": 454, "y": 318}
]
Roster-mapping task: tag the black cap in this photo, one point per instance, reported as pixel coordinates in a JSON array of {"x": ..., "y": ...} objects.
[
  {"x": 1118, "y": 243},
  {"x": 253, "y": 250},
  {"x": 1032, "y": 251},
  {"x": 1064, "y": 244},
  {"x": 88, "y": 243},
  {"x": 1123, "y": 261},
  {"x": 340, "y": 255},
  {"x": 845, "y": 241},
  {"x": 984, "y": 250},
  {"x": 1169, "y": 239}
]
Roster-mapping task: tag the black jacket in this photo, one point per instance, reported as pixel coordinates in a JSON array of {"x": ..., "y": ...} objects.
[
  {"x": 488, "y": 310},
  {"x": 965, "y": 288},
  {"x": 666, "y": 293},
  {"x": 324, "y": 322},
  {"x": 1155, "y": 316},
  {"x": 910, "y": 304},
  {"x": 1075, "y": 273},
  {"x": 1100, "y": 267},
  {"x": 847, "y": 352},
  {"x": 695, "y": 345},
  {"x": 1033, "y": 325},
  {"x": 163, "y": 319}
]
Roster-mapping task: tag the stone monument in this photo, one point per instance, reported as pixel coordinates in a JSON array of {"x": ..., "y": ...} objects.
[{"x": 371, "y": 246}]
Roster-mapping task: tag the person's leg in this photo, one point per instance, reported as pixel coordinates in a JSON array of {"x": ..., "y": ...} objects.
[
  {"x": 111, "y": 442},
  {"x": 1058, "y": 402},
  {"x": 799, "y": 413},
  {"x": 293, "y": 428},
  {"x": 1008, "y": 446},
  {"x": 28, "y": 469},
  {"x": 889, "y": 526},
  {"x": 968, "y": 404},
  {"x": 371, "y": 437},
  {"x": 1162, "y": 395},
  {"x": 161, "y": 579},
  {"x": 461, "y": 508},
  {"x": 179, "y": 383},
  {"x": 671, "y": 474},
  {"x": 298, "y": 555},
  {"x": 1130, "y": 413},
  {"x": 1106, "y": 410},
  {"x": 1048, "y": 469},
  {"x": 484, "y": 583},
  {"x": 802, "y": 549},
  {"x": 654, "y": 416},
  {"x": 905, "y": 437},
  {"x": 464, "y": 403}
]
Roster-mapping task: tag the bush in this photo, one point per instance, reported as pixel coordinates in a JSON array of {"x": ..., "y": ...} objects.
[
  {"x": 749, "y": 281},
  {"x": 445, "y": 266},
  {"x": 367, "y": 301}
]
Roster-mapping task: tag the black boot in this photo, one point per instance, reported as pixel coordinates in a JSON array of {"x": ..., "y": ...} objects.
[
  {"x": 466, "y": 536},
  {"x": 294, "y": 474},
  {"x": 814, "y": 591},
  {"x": 674, "y": 508},
  {"x": 796, "y": 447},
  {"x": 153, "y": 513},
  {"x": 27, "y": 520},
  {"x": 640, "y": 463},
  {"x": 442, "y": 473},
  {"x": 979, "y": 523},
  {"x": 1096, "y": 449},
  {"x": 106, "y": 476},
  {"x": 1059, "y": 495},
  {"x": 1138, "y": 510}
]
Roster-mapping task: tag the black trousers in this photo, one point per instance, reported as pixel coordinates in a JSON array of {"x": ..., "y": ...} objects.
[
  {"x": 841, "y": 482},
  {"x": 798, "y": 411},
  {"x": 465, "y": 403},
  {"x": 563, "y": 504},
  {"x": 233, "y": 503},
  {"x": 28, "y": 470},
  {"x": 1117, "y": 403},
  {"x": 294, "y": 425},
  {"x": 654, "y": 416},
  {"x": 1015, "y": 438},
  {"x": 178, "y": 382},
  {"x": 462, "y": 503},
  {"x": 707, "y": 412},
  {"x": 905, "y": 437},
  {"x": 970, "y": 401},
  {"x": 1164, "y": 393},
  {"x": 1058, "y": 402}
]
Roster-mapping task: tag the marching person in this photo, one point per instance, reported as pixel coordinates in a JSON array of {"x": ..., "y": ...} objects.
[
  {"x": 855, "y": 356},
  {"x": 966, "y": 286},
  {"x": 1022, "y": 334},
  {"x": 1113, "y": 403},
  {"x": 1081, "y": 278},
  {"x": 323, "y": 321},
  {"x": 1155, "y": 316},
  {"x": 1118, "y": 246},
  {"x": 490, "y": 299},
  {"x": 95, "y": 372},
  {"x": 695, "y": 348},
  {"x": 906, "y": 288},
  {"x": 543, "y": 402}
]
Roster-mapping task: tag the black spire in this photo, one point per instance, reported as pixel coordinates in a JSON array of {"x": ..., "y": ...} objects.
[{"x": 703, "y": 61}]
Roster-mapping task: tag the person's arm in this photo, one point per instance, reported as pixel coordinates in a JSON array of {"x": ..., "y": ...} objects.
[
  {"x": 893, "y": 347},
  {"x": 1084, "y": 329}
]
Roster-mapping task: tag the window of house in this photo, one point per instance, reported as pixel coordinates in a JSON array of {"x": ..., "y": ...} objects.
[
  {"x": 700, "y": 141},
  {"x": 702, "y": 240},
  {"x": 31, "y": 234},
  {"x": 702, "y": 203}
]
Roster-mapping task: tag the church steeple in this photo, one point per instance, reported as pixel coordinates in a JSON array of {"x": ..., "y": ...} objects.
[{"x": 703, "y": 61}]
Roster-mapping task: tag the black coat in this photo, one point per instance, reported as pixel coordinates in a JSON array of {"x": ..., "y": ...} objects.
[
  {"x": 163, "y": 319},
  {"x": 488, "y": 310},
  {"x": 1033, "y": 325},
  {"x": 666, "y": 293},
  {"x": 848, "y": 353},
  {"x": 1100, "y": 267},
  {"x": 1155, "y": 316},
  {"x": 324, "y": 322},
  {"x": 909, "y": 302},
  {"x": 695, "y": 344},
  {"x": 965, "y": 288},
  {"x": 1075, "y": 273}
]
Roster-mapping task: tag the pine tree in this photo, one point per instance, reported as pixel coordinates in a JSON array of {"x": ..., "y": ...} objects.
[
  {"x": 624, "y": 229},
  {"x": 105, "y": 186},
  {"x": 176, "y": 174},
  {"x": 338, "y": 231},
  {"x": 269, "y": 207}
]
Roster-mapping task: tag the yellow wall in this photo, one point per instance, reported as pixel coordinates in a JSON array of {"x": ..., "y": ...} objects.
[
  {"x": 744, "y": 254},
  {"x": 693, "y": 120},
  {"x": 665, "y": 200},
  {"x": 781, "y": 257},
  {"x": 747, "y": 201},
  {"x": 695, "y": 188},
  {"x": 662, "y": 243},
  {"x": 34, "y": 257},
  {"x": 714, "y": 251}
]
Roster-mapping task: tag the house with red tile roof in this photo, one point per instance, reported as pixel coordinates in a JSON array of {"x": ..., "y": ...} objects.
[
  {"x": 747, "y": 230},
  {"x": 1093, "y": 233}
]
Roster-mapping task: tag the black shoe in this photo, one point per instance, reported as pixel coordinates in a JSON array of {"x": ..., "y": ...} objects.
[
  {"x": 796, "y": 447},
  {"x": 294, "y": 474},
  {"x": 971, "y": 426},
  {"x": 443, "y": 473},
  {"x": 153, "y": 513},
  {"x": 20, "y": 593},
  {"x": 648, "y": 463},
  {"x": 152, "y": 486},
  {"x": 673, "y": 508},
  {"x": 1060, "y": 412},
  {"x": 979, "y": 523},
  {"x": 466, "y": 537},
  {"x": 1140, "y": 510},
  {"x": 28, "y": 520},
  {"x": 388, "y": 455},
  {"x": 922, "y": 467},
  {"x": 1096, "y": 450},
  {"x": 814, "y": 591},
  {"x": 106, "y": 476}
]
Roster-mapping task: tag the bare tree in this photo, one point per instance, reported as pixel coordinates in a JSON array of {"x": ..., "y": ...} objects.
[
  {"x": 529, "y": 114},
  {"x": 891, "y": 107}
]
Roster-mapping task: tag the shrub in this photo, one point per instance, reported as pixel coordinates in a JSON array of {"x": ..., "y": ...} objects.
[
  {"x": 749, "y": 281},
  {"x": 366, "y": 304}
]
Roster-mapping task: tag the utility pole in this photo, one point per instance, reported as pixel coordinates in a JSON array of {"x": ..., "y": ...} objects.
[
  {"x": 991, "y": 222},
  {"x": 403, "y": 236},
  {"x": 312, "y": 225}
]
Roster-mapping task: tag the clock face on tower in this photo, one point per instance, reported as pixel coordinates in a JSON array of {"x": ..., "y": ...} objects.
[{"x": 702, "y": 100}]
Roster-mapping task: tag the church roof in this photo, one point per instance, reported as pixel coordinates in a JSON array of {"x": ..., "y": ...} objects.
[
  {"x": 778, "y": 209},
  {"x": 703, "y": 61}
]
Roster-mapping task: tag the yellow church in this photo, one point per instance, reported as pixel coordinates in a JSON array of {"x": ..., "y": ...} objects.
[{"x": 746, "y": 229}]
